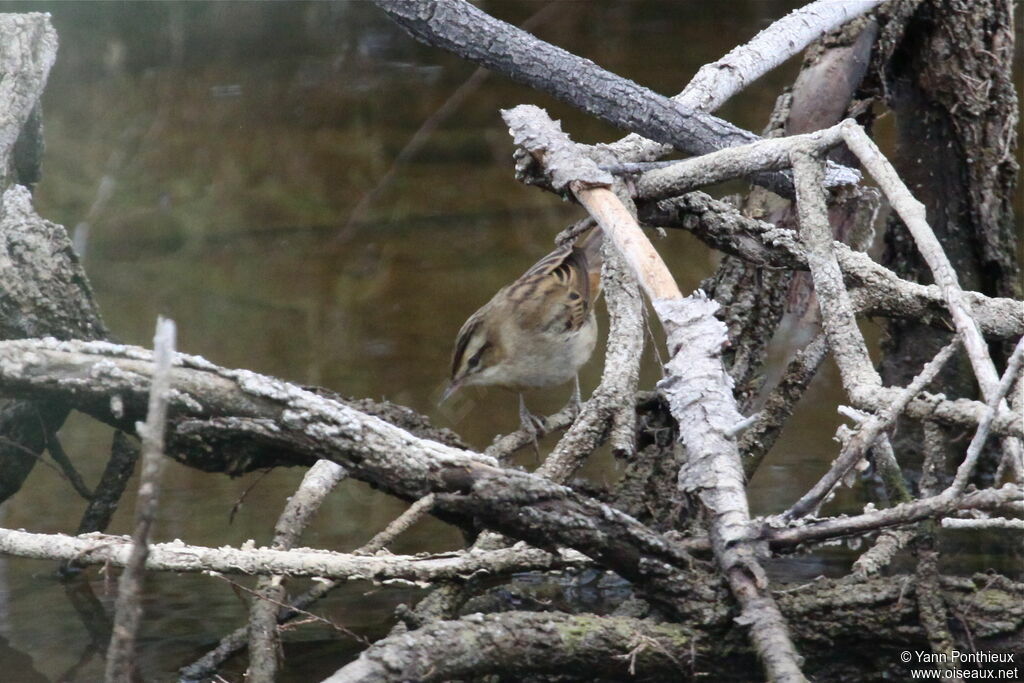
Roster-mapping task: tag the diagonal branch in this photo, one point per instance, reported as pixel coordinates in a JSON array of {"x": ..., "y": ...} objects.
[
  {"x": 472, "y": 490},
  {"x": 474, "y": 35},
  {"x": 27, "y": 51},
  {"x": 718, "y": 81},
  {"x": 698, "y": 387},
  {"x": 913, "y": 214},
  {"x": 175, "y": 556},
  {"x": 874, "y": 289},
  {"x": 868, "y": 431}
]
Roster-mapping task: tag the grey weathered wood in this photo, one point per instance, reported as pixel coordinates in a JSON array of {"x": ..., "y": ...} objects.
[
  {"x": 28, "y": 48},
  {"x": 471, "y": 33}
]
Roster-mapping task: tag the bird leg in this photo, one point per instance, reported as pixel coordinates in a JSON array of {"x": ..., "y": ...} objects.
[
  {"x": 534, "y": 425},
  {"x": 575, "y": 401}
]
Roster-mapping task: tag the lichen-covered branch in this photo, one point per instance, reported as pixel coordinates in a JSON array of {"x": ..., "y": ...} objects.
[
  {"x": 913, "y": 214},
  {"x": 699, "y": 392},
  {"x": 237, "y": 640},
  {"x": 905, "y": 513},
  {"x": 717, "y": 81},
  {"x": 844, "y": 337},
  {"x": 471, "y": 489},
  {"x": 175, "y": 556}
]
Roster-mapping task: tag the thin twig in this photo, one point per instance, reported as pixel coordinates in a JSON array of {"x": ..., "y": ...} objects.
[
  {"x": 963, "y": 473},
  {"x": 240, "y": 500},
  {"x": 60, "y": 457},
  {"x": 904, "y": 513},
  {"x": 504, "y": 446},
  {"x": 838, "y": 319},
  {"x": 913, "y": 214},
  {"x": 986, "y": 523},
  {"x": 128, "y": 608},
  {"x": 414, "y": 513},
  {"x": 259, "y": 596},
  {"x": 867, "y": 434},
  {"x": 11, "y": 443}
]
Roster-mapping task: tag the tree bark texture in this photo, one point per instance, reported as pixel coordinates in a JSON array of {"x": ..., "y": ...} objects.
[
  {"x": 849, "y": 631},
  {"x": 27, "y": 51}
]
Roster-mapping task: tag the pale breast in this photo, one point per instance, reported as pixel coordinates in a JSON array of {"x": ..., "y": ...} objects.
[{"x": 550, "y": 358}]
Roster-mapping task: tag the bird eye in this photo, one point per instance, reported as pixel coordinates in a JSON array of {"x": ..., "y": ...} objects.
[{"x": 475, "y": 359}]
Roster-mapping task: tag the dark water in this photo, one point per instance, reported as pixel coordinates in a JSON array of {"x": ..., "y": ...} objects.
[{"x": 209, "y": 154}]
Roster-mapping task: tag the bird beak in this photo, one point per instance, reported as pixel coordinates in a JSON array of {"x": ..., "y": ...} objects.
[{"x": 453, "y": 386}]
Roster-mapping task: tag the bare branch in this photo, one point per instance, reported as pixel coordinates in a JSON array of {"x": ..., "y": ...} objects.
[
  {"x": 905, "y": 513},
  {"x": 120, "y": 466},
  {"x": 318, "y": 482},
  {"x": 879, "y": 555},
  {"x": 472, "y": 489},
  {"x": 913, "y": 214},
  {"x": 984, "y": 523},
  {"x": 93, "y": 549},
  {"x": 414, "y": 513},
  {"x": 875, "y": 290},
  {"x": 128, "y": 609},
  {"x": 528, "y": 645},
  {"x": 716, "y": 82},
  {"x": 996, "y": 398},
  {"x": 867, "y": 432},
  {"x": 474, "y": 35},
  {"x": 844, "y": 337},
  {"x": 699, "y": 392},
  {"x": 238, "y": 639},
  {"x": 726, "y": 164}
]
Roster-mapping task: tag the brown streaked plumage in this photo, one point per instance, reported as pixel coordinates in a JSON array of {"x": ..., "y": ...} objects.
[{"x": 537, "y": 331}]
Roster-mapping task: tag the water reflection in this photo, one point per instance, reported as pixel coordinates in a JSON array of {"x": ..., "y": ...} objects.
[{"x": 209, "y": 153}]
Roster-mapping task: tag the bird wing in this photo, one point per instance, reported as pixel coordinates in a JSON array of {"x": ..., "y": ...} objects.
[{"x": 562, "y": 286}]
